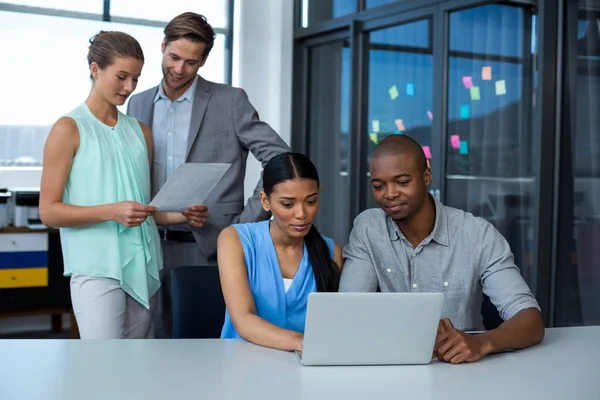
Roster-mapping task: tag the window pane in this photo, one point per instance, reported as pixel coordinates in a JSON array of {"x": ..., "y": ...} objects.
[
  {"x": 215, "y": 11},
  {"x": 578, "y": 282},
  {"x": 489, "y": 167},
  {"x": 90, "y": 6},
  {"x": 415, "y": 34},
  {"x": 377, "y": 3},
  {"x": 400, "y": 86},
  {"x": 51, "y": 58},
  {"x": 477, "y": 30},
  {"x": 329, "y": 94},
  {"x": 324, "y": 10}
]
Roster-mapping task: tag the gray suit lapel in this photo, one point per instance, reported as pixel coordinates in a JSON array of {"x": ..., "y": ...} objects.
[
  {"x": 201, "y": 98},
  {"x": 147, "y": 111}
]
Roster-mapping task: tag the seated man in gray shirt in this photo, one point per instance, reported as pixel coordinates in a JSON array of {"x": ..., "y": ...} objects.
[{"x": 414, "y": 243}]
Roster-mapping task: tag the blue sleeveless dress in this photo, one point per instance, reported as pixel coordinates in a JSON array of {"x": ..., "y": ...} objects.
[{"x": 284, "y": 309}]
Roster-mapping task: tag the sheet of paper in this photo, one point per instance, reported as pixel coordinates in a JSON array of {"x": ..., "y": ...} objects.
[
  {"x": 455, "y": 141},
  {"x": 375, "y": 125},
  {"x": 468, "y": 81},
  {"x": 400, "y": 125},
  {"x": 475, "y": 94},
  {"x": 427, "y": 151},
  {"x": 393, "y": 91},
  {"x": 464, "y": 111},
  {"x": 189, "y": 185},
  {"x": 500, "y": 87},
  {"x": 464, "y": 147},
  {"x": 374, "y": 138},
  {"x": 486, "y": 73},
  {"x": 410, "y": 89}
]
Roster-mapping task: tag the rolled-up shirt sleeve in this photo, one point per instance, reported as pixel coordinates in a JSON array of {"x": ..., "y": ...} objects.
[
  {"x": 359, "y": 273},
  {"x": 501, "y": 279}
]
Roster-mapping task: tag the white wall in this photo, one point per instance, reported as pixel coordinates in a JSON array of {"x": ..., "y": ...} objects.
[{"x": 262, "y": 65}]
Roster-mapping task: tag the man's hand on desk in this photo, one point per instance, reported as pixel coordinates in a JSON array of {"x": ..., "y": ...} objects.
[
  {"x": 196, "y": 215},
  {"x": 454, "y": 346}
]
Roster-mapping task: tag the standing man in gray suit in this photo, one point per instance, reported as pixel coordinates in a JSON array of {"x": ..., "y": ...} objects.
[{"x": 194, "y": 120}]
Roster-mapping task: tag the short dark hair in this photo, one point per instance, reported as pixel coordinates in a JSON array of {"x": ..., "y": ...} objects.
[
  {"x": 288, "y": 166},
  {"x": 193, "y": 27},
  {"x": 397, "y": 144},
  {"x": 105, "y": 46}
]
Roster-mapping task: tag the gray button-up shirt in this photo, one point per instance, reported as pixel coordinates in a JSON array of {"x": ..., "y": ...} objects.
[{"x": 463, "y": 257}]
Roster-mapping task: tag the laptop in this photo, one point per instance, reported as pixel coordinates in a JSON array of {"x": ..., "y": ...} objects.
[{"x": 370, "y": 328}]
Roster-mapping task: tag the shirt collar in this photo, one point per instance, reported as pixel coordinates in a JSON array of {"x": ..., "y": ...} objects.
[
  {"x": 440, "y": 228},
  {"x": 187, "y": 95}
]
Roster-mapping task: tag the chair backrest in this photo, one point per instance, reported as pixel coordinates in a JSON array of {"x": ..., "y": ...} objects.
[{"x": 197, "y": 301}]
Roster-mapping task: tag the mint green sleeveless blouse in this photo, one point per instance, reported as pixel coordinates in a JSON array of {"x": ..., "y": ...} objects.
[{"x": 110, "y": 166}]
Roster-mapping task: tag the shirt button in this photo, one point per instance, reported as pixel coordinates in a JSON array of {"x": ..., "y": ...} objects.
[
  {"x": 389, "y": 270},
  {"x": 445, "y": 283},
  {"x": 414, "y": 285},
  {"x": 170, "y": 133}
]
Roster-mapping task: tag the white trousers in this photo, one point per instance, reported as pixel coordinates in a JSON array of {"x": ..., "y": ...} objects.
[{"x": 104, "y": 311}]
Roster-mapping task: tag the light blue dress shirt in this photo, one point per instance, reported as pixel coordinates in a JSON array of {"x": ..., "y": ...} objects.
[{"x": 170, "y": 129}]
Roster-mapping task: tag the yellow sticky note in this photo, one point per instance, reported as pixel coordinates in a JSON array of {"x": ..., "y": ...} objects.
[
  {"x": 500, "y": 87},
  {"x": 393, "y": 91},
  {"x": 375, "y": 125},
  {"x": 486, "y": 73},
  {"x": 475, "y": 95},
  {"x": 373, "y": 137}
]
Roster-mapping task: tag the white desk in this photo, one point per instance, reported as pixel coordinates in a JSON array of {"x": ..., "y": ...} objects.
[{"x": 565, "y": 366}]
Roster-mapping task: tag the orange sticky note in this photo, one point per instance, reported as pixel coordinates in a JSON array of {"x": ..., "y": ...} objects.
[
  {"x": 486, "y": 73},
  {"x": 400, "y": 125}
]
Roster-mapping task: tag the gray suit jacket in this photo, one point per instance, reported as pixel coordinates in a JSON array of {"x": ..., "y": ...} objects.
[{"x": 224, "y": 127}]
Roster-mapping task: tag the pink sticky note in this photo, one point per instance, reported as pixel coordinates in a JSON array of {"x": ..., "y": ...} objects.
[
  {"x": 427, "y": 151},
  {"x": 468, "y": 81},
  {"x": 455, "y": 141},
  {"x": 400, "y": 125},
  {"x": 430, "y": 115}
]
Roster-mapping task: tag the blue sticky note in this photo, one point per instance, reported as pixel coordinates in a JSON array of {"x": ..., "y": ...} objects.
[
  {"x": 464, "y": 147},
  {"x": 464, "y": 111},
  {"x": 410, "y": 89}
]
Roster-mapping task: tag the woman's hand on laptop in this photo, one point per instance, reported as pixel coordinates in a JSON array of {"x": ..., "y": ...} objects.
[{"x": 454, "y": 346}]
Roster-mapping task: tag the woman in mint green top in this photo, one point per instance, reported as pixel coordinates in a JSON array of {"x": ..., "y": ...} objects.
[{"x": 96, "y": 187}]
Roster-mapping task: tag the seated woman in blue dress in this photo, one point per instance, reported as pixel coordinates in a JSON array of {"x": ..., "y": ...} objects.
[{"x": 269, "y": 268}]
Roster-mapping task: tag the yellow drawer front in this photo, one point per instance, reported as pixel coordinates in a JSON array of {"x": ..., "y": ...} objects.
[{"x": 23, "y": 277}]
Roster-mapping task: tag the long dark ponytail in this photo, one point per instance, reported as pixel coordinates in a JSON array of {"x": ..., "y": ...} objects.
[{"x": 288, "y": 166}]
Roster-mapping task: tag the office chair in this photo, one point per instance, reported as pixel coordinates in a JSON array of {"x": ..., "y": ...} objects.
[{"x": 197, "y": 302}]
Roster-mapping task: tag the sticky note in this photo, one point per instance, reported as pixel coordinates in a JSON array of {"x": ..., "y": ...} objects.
[
  {"x": 464, "y": 111},
  {"x": 486, "y": 73},
  {"x": 400, "y": 125},
  {"x": 427, "y": 151},
  {"x": 475, "y": 94},
  {"x": 430, "y": 115},
  {"x": 393, "y": 91},
  {"x": 500, "y": 87},
  {"x": 375, "y": 125},
  {"x": 468, "y": 81},
  {"x": 410, "y": 89},
  {"x": 455, "y": 141},
  {"x": 373, "y": 137},
  {"x": 464, "y": 147}
]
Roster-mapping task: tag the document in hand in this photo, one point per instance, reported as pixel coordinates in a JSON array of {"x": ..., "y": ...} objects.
[{"x": 189, "y": 185}]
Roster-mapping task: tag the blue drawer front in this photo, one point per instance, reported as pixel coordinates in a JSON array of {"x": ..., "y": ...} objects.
[{"x": 25, "y": 259}]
